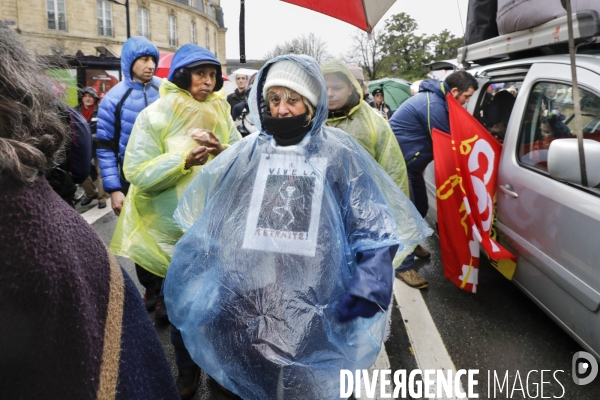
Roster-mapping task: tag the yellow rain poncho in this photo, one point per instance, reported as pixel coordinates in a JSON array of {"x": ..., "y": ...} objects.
[
  {"x": 154, "y": 164},
  {"x": 371, "y": 130}
]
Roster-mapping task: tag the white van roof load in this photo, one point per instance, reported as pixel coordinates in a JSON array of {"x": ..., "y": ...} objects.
[{"x": 586, "y": 24}]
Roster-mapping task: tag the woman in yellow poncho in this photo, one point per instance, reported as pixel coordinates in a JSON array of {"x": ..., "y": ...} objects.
[
  {"x": 162, "y": 156},
  {"x": 350, "y": 113},
  {"x": 172, "y": 138}
]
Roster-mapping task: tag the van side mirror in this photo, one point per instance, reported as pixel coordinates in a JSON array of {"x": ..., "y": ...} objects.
[{"x": 563, "y": 160}]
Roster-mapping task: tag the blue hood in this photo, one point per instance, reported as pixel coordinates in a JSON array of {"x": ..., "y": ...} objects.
[
  {"x": 191, "y": 53},
  {"x": 134, "y": 48},
  {"x": 434, "y": 86},
  {"x": 257, "y": 103}
]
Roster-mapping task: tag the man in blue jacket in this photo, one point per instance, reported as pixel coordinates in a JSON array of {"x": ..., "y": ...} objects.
[
  {"x": 412, "y": 124},
  {"x": 118, "y": 111}
]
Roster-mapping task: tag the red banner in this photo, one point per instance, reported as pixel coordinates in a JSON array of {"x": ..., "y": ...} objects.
[{"x": 466, "y": 171}]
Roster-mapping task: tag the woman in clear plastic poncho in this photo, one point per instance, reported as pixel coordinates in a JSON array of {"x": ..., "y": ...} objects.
[
  {"x": 285, "y": 272},
  {"x": 350, "y": 113},
  {"x": 162, "y": 156}
]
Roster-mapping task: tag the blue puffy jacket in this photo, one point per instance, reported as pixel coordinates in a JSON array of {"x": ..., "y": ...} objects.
[
  {"x": 411, "y": 123},
  {"x": 140, "y": 96}
]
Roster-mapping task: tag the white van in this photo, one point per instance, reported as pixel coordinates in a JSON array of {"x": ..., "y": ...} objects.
[{"x": 545, "y": 216}]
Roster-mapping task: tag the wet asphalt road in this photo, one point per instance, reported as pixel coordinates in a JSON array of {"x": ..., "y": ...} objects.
[
  {"x": 207, "y": 388},
  {"x": 498, "y": 329}
]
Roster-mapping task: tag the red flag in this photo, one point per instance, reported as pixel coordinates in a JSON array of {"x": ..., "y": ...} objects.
[{"x": 466, "y": 172}]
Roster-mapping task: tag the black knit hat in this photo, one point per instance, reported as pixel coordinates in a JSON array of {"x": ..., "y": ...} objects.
[{"x": 377, "y": 91}]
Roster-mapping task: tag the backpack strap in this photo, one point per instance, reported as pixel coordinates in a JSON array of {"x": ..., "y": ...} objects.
[{"x": 113, "y": 144}]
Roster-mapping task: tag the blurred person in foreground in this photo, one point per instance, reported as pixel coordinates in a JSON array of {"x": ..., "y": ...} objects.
[
  {"x": 118, "y": 111},
  {"x": 73, "y": 325},
  {"x": 170, "y": 143},
  {"x": 74, "y": 166},
  {"x": 285, "y": 273},
  {"x": 412, "y": 124},
  {"x": 76, "y": 162},
  {"x": 88, "y": 108}
]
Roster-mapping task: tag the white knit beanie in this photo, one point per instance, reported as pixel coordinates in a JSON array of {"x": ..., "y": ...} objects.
[{"x": 291, "y": 75}]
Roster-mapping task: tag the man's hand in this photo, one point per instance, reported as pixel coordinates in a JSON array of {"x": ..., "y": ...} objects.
[
  {"x": 198, "y": 156},
  {"x": 117, "y": 199}
]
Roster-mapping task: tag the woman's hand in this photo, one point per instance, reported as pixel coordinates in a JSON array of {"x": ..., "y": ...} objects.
[
  {"x": 204, "y": 137},
  {"x": 198, "y": 156}
]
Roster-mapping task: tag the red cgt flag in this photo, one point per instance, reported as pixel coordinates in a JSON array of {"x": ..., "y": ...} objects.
[{"x": 466, "y": 172}]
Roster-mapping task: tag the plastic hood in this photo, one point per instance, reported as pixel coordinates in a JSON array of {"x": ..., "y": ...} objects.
[
  {"x": 258, "y": 105},
  {"x": 134, "y": 48}
]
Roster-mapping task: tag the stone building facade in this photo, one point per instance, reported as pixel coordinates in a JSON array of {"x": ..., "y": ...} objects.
[{"x": 94, "y": 27}]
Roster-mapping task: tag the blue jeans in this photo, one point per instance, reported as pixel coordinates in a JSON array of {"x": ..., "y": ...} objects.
[{"x": 418, "y": 196}]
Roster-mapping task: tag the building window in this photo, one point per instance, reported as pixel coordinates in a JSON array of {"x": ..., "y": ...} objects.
[
  {"x": 57, "y": 15},
  {"x": 172, "y": 30},
  {"x": 210, "y": 10},
  {"x": 105, "y": 26},
  {"x": 192, "y": 3},
  {"x": 207, "y": 36},
  {"x": 193, "y": 33},
  {"x": 200, "y": 5},
  {"x": 216, "y": 46},
  {"x": 144, "y": 22}
]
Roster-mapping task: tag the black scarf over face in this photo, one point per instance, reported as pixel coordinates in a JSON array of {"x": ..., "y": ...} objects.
[{"x": 287, "y": 131}]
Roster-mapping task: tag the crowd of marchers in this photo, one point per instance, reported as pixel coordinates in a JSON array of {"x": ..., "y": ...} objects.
[{"x": 266, "y": 226}]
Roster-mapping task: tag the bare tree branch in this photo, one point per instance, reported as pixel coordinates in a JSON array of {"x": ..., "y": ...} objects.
[
  {"x": 366, "y": 52},
  {"x": 310, "y": 45}
]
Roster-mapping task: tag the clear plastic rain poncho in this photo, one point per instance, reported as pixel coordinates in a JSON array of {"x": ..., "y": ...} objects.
[
  {"x": 270, "y": 249},
  {"x": 371, "y": 130},
  {"x": 146, "y": 232}
]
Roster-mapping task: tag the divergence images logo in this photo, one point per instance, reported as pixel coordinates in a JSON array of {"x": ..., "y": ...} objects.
[{"x": 585, "y": 368}]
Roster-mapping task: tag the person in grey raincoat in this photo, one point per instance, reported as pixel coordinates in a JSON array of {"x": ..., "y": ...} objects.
[{"x": 284, "y": 275}]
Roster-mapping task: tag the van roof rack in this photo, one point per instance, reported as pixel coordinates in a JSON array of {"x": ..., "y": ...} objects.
[{"x": 548, "y": 38}]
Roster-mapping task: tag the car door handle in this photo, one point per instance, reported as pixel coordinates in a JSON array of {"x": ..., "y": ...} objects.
[{"x": 508, "y": 189}]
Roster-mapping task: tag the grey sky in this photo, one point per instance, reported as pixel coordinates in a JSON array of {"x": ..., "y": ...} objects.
[{"x": 271, "y": 22}]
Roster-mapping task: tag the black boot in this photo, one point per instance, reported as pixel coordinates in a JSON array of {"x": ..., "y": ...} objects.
[
  {"x": 160, "y": 313},
  {"x": 150, "y": 299},
  {"x": 187, "y": 381}
]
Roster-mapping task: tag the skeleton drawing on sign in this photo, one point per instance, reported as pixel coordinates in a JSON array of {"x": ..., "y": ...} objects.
[{"x": 290, "y": 199}]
